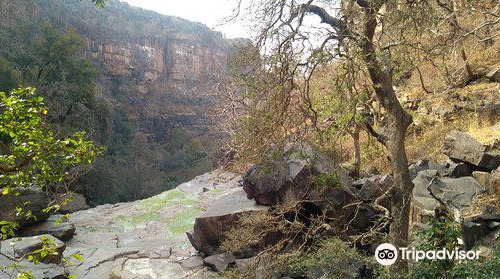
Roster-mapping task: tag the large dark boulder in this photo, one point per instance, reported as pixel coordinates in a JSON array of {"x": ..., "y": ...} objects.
[
  {"x": 291, "y": 176},
  {"x": 57, "y": 226},
  {"x": 461, "y": 147},
  {"x": 209, "y": 229},
  {"x": 73, "y": 202},
  {"x": 455, "y": 192},
  {"x": 445, "y": 169},
  {"x": 31, "y": 200},
  {"x": 373, "y": 187}
]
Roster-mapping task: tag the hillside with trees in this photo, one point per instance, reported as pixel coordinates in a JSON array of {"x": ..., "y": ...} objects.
[{"x": 353, "y": 139}]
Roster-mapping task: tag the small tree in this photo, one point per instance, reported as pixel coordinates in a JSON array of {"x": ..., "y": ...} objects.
[{"x": 30, "y": 155}]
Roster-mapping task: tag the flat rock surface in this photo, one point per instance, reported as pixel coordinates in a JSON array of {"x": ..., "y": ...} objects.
[{"x": 146, "y": 238}]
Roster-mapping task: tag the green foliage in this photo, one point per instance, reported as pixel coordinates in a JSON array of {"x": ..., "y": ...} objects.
[
  {"x": 40, "y": 56},
  {"x": 325, "y": 180},
  {"x": 99, "y": 3},
  {"x": 31, "y": 155},
  {"x": 135, "y": 170},
  {"x": 328, "y": 258},
  {"x": 444, "y": 233}
]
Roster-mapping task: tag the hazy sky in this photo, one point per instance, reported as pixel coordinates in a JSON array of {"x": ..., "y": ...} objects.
[{"x": 208, "y": 12}]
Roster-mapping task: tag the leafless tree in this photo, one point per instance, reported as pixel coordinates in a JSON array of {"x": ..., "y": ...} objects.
[{"x": 377, "y": 38}]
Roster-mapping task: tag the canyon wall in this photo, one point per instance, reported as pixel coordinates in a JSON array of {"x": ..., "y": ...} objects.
[{"x": 157, "y": 75}]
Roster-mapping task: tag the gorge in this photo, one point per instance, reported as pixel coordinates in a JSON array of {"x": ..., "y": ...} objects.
[{"x": 158, "y": 77}]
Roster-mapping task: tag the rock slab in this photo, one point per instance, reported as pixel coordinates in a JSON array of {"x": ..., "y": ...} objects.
[
  {"x": 209, "y": 229},
  {"x": 461, "y": 147}
]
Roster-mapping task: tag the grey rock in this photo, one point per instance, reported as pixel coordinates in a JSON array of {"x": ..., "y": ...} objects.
[
  {"x": 363, "y": 219},
  {"x": 21, "y": 247},
  {"x": 56, "y": 225},
  {"x": 220, "y": 262},
  {"x": 289, "y": 176},
  {"x": 462, "y": 147},
  {"x": 75, "y": 202},
  {"x": 332, "y": 201},
  {"x": 457, "y": 169},
  {"x": 192, "y": 262},
  {"x": 32, "y": 199},
  {"x": 422, "y": 165},
  {"x": 445, "y": 169},
  {"x": 209, "y": 229},
  {"x": 39, "y": 271},
  {"x": 373, "y": 187},
  {"x": 161, "y": 253},
  {"x": 483, "y": 178},
  {"x": 458, "y": 192}
]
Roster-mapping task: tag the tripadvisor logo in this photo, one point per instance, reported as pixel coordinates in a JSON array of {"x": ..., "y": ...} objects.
[{"x": 387, "y": 254}]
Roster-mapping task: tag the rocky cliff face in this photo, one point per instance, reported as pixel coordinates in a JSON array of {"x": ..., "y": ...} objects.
[
  {"x": 160, "y": 70},
  {"x": 158, "y": 75}
]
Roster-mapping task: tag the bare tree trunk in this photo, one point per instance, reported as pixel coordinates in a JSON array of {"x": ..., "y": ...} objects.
[{"x": 398, "y": 121}]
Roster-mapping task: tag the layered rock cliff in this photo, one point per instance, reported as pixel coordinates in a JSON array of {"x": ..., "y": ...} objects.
[
  {"x": 159, "y": 77},
  {"x": 161, "y": 70}
]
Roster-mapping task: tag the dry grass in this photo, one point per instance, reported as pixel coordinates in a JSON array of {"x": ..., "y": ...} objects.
[
  {"x": 427, "y": 143},
  {"x": 480, "y": 201},
  {"x": 485, "y": 135}
]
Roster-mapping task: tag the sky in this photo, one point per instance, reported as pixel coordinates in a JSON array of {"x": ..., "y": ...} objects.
[{"x": 208, "y": 12}]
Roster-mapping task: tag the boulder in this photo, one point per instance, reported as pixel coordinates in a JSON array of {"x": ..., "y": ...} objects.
[
  {"x": 32, "y": 200},
  {"x": 373, "y": 187},
  {"x": 21, "y": 247},
  {"x": 482, "y": 227},
  {"x": 488, "y": 115},
  {"x": 457, "y": 169},
  {"x": 456, "y": 192},
  {"x": 463, "y": 148},
  {"x": 290, "y": 177},
  {"x": 209, "y": 229},
  {"x": 39, "y": 271},
  {"x": 56, "y": 225},
  {"x": 483, "y": 178},
  {"x": 76, "y": 202},
  {"x": 220, "y": 262},
  {"x": 494, "y": 74},
  {"x": 331, "y": 201},
  {"x": 495, "y": 181},
  {"x": 448, "y": 168}
]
